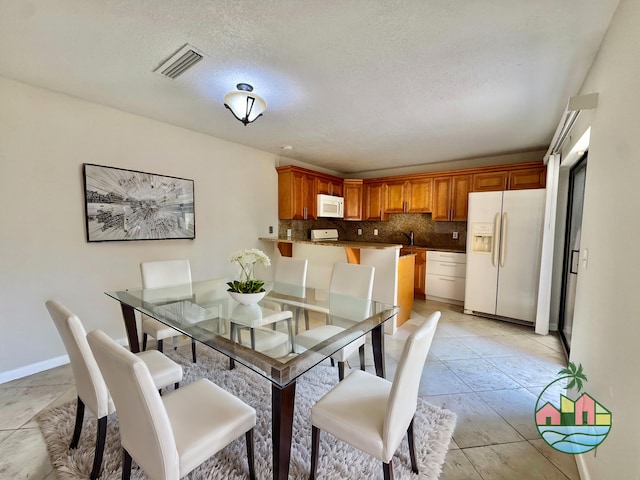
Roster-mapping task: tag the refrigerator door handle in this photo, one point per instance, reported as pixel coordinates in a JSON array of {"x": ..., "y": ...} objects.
[
  {"x": 503, "y": 239},
  {"x": 496, "y": 240}
]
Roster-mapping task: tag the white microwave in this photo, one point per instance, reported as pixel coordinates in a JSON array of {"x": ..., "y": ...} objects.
[{"x": 330, "y": 206}]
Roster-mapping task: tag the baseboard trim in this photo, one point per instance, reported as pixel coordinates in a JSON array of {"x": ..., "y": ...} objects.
[
  {"x": 582, "y": 468},
  {"x": 33, "y": 368},
  {"x": 38, "y": 367}
]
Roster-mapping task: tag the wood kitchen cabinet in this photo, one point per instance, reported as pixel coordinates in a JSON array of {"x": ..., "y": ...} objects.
[
  {"x": 298, "y": 189},
  {"x": 490, "y": 181},
  {"x": 512, "y": 178},
  {"x": 395, "y": 196},
  {"x": 329, "y": 186},
  {"x": 420, "y": 195},
  {"x": 420, "y": 272},
  {"x": 451, "y": 198},
  {"x": 444, "y": 194},
  {"x": 353, "y": 192},
  {"x": 535, "y": 177},
  {"x": 296, "y": 194},
  {"x": 373, "y": 201},
  {"x": 413, "y": 195}
]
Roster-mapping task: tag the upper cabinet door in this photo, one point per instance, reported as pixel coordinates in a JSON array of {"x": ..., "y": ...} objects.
[
  {"x": 304, "y": 197},
  {"x": 460, "y": 188},
  {"x": 323, "y": 185},
  {"x": 373, "y": 201},
  {"x": 450, "y": 198},
  {"x": 535, "y": 177},
  {"x": 296, "y": 194},
  {"x": 336, "y": 188},
  {"x": 419, "y": 195},
  {"x": 329, "y": 186},
  {"x": 441, "y": 199},
  {"x": 353, "y": 190},
  {"x": 394, "y": 197},
  {"x": 490, "y": 181}
]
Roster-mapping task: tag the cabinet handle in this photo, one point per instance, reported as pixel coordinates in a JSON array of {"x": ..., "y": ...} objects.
[
  {"x": 304, "y": 213},
  {"x": 448, "y": 264},
  {"x": 446, "y": 279}
]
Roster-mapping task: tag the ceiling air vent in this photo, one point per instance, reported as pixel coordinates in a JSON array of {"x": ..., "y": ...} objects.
[{"x": 180, "y": 62}]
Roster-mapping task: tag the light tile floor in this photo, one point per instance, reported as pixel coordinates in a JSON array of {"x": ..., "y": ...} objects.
[{"x": 486, "y": 371}]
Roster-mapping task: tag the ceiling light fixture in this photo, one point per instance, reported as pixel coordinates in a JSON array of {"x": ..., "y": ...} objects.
[{"x": 245, "y": 105}]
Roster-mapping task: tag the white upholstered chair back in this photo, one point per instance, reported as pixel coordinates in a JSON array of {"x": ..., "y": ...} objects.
[
  {"x": 403, "y": 398},
  {"x": 90, "y": 385},
  {"x": 145, "y": 429},
  {"x": 352, "y": 279},
  {"x": 349, "y": 280},
  {"x": 291, "y": 271},
  {"x": 164, "y": 273}
]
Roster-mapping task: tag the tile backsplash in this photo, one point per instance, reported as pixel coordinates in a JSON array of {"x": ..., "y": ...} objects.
[{"x": 426, "y": 232}]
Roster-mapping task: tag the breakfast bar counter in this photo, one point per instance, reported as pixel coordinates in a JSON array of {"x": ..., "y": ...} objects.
[{"x": 390, "y": 281}]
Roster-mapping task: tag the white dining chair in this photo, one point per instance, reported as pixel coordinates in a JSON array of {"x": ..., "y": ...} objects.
[
  {"x": 372, "y": 413},
  {"x": 90, "y": 386},
  {"x": 348, "y": 280},
  {"x": 158, "y": 274},
  {"x": 291, "y": 274},
  {"x": 169, "y": 436}
]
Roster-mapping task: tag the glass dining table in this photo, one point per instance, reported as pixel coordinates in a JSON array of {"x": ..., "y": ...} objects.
[{"x": 261, "y": 336}]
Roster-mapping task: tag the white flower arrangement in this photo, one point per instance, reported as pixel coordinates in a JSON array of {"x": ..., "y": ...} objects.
[{"x": 247, "y": 260}]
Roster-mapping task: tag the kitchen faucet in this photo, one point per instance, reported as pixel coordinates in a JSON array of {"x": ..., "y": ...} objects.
[{"x": 410, "y": 235}]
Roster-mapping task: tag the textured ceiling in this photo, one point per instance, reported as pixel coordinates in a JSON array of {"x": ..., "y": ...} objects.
[{"x": 352, "y": 85}]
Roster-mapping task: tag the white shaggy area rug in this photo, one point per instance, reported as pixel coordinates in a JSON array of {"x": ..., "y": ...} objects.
[{"x": 433, "y": 428}]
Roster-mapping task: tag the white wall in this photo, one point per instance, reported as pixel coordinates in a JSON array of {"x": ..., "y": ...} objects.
[
  {"x": 44, "y": 139},
  {"x": 606, "y": 331}
]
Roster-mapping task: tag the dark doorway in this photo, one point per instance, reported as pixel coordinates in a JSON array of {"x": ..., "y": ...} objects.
[{"x": 577, "y": 178}]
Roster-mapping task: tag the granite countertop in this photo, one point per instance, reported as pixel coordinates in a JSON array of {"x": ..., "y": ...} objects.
[
  {"x": 337, "y": 243},
  {"x": 376, "y": 245},
  {"x": 435, "y": 249}
]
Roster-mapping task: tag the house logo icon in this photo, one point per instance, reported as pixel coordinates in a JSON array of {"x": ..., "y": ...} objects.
[{"x": 574, "y": 426}]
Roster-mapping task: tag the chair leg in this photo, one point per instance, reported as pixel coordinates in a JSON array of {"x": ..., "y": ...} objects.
[
  {"x": 250, "y": 454},
  {"x": 388, "y": 471},
  {"x": 144, "y": 341},
  {"x": 193, "y": 350},
  {"x": 340, "y": 371},
  {"x": 176, "y": 385},
  {"x": 361, "y": 354},
  {"x": 306, "y": 319},
  {"x": 333, "y": 362},
  {"x": 78, "y": 428},
  {"x": 160, "y": 343},
  {"x": 100, "y": 440},
  {"x": 412, "y": 450},
  {"x": 126, "y": 465},
  {"x": 315, "y": 447},
  {"x": 297, "y": 315}
]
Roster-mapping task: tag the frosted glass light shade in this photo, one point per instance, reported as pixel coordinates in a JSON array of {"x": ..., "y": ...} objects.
[{"x": 245, "y": 105}]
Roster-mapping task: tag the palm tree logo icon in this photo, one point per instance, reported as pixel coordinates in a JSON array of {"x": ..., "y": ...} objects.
[{"x": 574, "y": 426}]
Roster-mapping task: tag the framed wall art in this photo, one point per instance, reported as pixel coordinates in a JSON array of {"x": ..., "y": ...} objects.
[{"x": 130, "y": 205}]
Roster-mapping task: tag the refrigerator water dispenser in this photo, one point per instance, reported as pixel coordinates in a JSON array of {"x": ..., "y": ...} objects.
[{"x": 482, "y": 237}]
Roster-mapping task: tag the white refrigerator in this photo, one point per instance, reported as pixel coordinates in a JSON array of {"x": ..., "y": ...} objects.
[{"x": 504, "y": 243}]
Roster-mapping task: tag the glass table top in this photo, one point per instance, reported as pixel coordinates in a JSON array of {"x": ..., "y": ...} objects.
[{"x": 260, "y": 336}]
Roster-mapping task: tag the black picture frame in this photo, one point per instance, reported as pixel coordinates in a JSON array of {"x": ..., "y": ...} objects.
[{"x": 126, "y": 205}]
